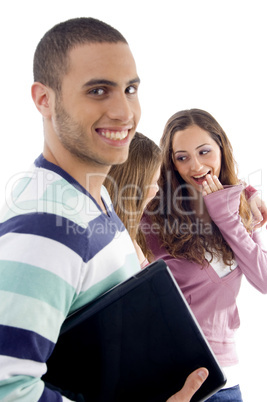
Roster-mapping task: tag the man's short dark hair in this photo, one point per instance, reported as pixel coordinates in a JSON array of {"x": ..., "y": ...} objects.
[{"x": 51, "y": 58}]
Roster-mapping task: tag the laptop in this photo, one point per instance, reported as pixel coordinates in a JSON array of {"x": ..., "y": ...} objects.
[{"x": 137, "y": 342}]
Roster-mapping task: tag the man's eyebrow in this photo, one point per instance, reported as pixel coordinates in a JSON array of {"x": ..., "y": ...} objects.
[
  {"x": 134, "y": 81},
  {"x": 101, "y": 81}
]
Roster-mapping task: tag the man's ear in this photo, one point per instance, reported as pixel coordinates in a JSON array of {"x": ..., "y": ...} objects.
[{"x": 43, "y": 98}]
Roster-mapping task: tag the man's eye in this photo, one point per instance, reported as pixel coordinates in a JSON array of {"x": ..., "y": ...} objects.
[
  {"x": 131, "y": 90},
  {"x": 97, "y": 91}
]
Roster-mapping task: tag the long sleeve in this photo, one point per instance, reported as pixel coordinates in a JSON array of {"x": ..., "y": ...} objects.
[
  {"x": 37, "y": 289},
  {"x": 223, "y": 207},
  {"x": 53, "y": 260}
]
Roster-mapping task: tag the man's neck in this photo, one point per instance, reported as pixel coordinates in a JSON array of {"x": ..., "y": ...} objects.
[{"x": 90, "y": 177}]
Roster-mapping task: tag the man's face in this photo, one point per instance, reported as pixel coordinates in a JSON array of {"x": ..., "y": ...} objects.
[{"x": 98, "y": 109}]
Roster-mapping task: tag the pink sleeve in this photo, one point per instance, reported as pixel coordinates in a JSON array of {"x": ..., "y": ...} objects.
[
  {"x": 144, "y": 263},
  {"x": 223, "y": 207},
  {"x": 249, "y": 192}
]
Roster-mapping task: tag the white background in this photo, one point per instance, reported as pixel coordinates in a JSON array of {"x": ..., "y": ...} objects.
[{"x": 209, "y": 54}]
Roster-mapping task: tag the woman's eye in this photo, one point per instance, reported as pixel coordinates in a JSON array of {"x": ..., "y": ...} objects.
[
  {"x": 204, "y": 152},
  {"x": 181, "y": 158}
]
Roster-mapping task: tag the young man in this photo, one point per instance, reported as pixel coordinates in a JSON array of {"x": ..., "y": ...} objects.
[{"x": 61, "y": 243}]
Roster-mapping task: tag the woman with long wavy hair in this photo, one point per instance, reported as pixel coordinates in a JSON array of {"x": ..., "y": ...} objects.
[
  {"x": 133, "y": 184},
  {"x": 201, "y": 224}
]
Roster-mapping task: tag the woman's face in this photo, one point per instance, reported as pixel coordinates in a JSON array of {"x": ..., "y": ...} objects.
[{"x": 195, "y": 154}]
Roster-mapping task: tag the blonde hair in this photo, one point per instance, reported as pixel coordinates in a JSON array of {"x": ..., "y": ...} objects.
[{"x": 128, "y": 183}]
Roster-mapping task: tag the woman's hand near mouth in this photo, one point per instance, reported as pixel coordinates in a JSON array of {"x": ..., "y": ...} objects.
[{"x": 211, "y": 184}]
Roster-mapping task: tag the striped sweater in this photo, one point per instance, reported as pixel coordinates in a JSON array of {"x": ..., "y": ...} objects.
[{"x": 58, "y": 251}]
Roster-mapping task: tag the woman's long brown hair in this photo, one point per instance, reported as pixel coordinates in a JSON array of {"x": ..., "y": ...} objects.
[{"x": 173, "y": 215}]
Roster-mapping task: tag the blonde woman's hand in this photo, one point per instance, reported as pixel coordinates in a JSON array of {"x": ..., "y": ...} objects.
[
  {"x": 211, "y": 184},
  {"x": 259, "y": 211},
  {"x": 192, "y": 384}
]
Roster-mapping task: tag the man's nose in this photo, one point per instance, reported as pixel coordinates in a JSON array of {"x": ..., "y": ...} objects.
[{"x": 121, "y": 108}]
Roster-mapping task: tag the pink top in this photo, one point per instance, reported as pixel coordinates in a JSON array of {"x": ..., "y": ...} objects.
[{"x": 211, "y": 298}]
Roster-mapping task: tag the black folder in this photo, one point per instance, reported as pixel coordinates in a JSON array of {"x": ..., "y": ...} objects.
[{"x": 137, "y": 343}]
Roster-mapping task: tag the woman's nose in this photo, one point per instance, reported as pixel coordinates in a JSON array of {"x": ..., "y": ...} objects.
[{"x": 196, "y": 164}]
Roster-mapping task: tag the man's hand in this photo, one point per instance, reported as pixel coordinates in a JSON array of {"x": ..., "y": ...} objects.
[{"x": 192, "y": 384}]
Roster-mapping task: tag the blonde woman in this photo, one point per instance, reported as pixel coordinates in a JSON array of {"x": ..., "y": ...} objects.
[{"x": 133, "y": 184}]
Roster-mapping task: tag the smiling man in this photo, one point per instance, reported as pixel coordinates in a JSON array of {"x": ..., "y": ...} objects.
[{"x": 53, "y": 260}]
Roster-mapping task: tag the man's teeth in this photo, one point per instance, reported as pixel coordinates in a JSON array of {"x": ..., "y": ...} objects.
[{"x": 115, "y": 135}]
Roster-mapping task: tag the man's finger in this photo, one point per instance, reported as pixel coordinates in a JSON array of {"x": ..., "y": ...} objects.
[{"x": 192, "y": 384}]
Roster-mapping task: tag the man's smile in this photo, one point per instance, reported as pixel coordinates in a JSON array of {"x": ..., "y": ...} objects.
[{"x": 115, "y": 135}]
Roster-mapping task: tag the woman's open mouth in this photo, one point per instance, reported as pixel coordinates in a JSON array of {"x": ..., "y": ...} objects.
[{"x": 200, "y": 178}]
